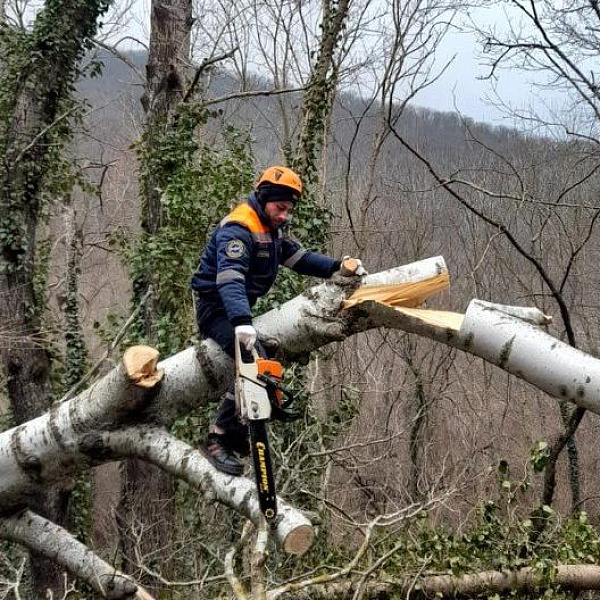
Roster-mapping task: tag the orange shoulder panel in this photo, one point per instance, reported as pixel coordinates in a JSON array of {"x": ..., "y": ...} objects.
[{"x": 245, "y": 215}]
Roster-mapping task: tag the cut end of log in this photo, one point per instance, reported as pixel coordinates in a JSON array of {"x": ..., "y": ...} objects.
[
  {"x": 299, "y": 540},
  {"x": 140, "y": 365},
  {"x": 350, "y": 265},
  {"x": 117, "y": 585}
]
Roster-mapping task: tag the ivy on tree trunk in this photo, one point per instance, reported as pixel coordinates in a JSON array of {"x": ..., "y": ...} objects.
[{"x": 39, "y": 69}]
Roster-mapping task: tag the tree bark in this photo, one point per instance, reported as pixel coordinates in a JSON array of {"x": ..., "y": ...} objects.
[
  {"x": 59, "y": 547},
  {"x": 576, "y": 578},
  {"x": 292, "y": 530},
  {"x": 506, "y": 337},
  {"x": 166, "y": 78},
  {"x": 148, "y": 493},
  {"x": 45, "y": 449}
]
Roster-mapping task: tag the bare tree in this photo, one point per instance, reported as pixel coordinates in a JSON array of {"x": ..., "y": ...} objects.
[
  {"x": 392, "y": 61},
  {"x": 148, "y": 493}
]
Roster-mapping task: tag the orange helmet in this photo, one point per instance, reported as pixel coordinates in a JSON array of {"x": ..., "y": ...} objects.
[{"x": 277, "y": 175}]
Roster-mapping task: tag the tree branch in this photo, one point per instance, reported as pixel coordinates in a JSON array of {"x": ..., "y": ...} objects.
[
  {"x": 252, "y": 94},
  {"x": 292, "y": 530},
  {"x": 54, "y": 542},
  {"x": 576, "y": 578},
  {"x": 202, "y": 67}
]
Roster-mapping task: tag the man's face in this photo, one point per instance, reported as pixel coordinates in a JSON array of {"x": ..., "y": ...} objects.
[{"x": 278, "y": 212}]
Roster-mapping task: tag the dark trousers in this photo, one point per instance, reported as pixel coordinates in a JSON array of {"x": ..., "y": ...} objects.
[{"x": 213, "y": 323}]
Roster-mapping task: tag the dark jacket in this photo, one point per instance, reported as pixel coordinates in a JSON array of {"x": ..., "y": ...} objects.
[{"x": 241, "y": 260}]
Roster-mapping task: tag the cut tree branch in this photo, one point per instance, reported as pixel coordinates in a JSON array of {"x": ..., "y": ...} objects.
[{"x": 292, "y": 529}]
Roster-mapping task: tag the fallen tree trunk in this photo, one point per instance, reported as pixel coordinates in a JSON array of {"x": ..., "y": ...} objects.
[
  {"x": 141, "y": 393},
  {"x": 576, "y": 578},
  {"x": 292, "y": 530},
  {"x": 311, "y": 320},
  {"x": 48, "y": 448}
]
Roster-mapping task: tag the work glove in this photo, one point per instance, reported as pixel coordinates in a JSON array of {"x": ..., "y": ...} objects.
[
  {"x": 352, "y": 266},
  {"x": 246, "y": 334}
]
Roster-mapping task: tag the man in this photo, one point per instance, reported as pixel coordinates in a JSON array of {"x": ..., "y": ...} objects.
[{"x": 239, "y": 266}]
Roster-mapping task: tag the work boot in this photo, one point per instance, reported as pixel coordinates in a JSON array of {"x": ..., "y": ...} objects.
[
  {"x": 221, "y": 456},
  {"x": 238, "y": 441}
]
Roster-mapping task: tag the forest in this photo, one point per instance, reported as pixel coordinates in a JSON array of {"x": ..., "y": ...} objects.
[{"x": 420, "y": 467}]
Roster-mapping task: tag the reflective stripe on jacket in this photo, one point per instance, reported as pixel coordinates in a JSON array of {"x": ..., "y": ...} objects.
[{"x": 241, "y": 260}]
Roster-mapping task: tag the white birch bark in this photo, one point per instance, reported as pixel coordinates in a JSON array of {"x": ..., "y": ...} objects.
[
  {"x": 315, "y": 318},
  {"x": 507, "y": 336},
  {"x": 292, "y": 530},
  {"x": 570, "y": 577},
  {"x": 54, "y": 542},
  {"x": 196, "y": 376},
  {"x": 46, "y": 449},
  {"x": 531, "y": 354}
]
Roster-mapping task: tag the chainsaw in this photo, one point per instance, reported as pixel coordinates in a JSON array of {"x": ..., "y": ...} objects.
[{"x": 260, "y": 395}]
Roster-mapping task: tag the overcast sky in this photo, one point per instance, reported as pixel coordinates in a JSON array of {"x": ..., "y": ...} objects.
[
  {"x": 465, "y": 86},
  {"x": 462, "y": 87}
]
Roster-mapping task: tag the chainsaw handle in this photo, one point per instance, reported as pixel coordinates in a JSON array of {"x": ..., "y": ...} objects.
[
  {"x": 242, "y": 355},
  {"x": 276, "y": 384}
]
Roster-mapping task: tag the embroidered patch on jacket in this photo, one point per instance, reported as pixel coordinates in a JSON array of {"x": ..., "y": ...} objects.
[{"x": 235, "y": 249}]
